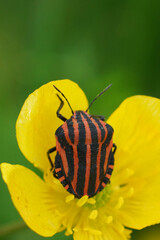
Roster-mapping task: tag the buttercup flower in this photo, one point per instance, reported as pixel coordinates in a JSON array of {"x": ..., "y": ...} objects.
[{"x": 131, "y": 199}]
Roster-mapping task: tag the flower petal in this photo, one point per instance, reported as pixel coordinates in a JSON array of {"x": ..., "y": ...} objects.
[
  {"x": 136, "y": 126},
  {"x": 106, "y": 233},
  {"x": 37, "y": 121},
  {"x": 29, "y": 195},
  {"x": 143, "y": 208}
]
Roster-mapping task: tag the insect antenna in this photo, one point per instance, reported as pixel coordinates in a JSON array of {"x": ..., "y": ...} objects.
[
  {"x": 104, "y": 90},
  {"x": 65, "y": 98}
]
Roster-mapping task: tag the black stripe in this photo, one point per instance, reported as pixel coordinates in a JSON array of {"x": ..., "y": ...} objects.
[
  {"x": 101, "y": 128},
  {"x": 64, "y": 183},
  {"x": 93, "y": 169},
  {"x": 103, "y": 151},
  {"x": 102, "y": 160},
  {"x": 100, "y": 188},
  {"x": 109, "y": 135},
  {"x": 58, "y": 164},
  {"x": 106, "y": 180},
  {"x": 82, "y": 149},
  {"x": 70, "y": 129},
  {"x": 70, "y": 160},
  {"x": 92, "y": 127},
  {"x": 110, "y": 162},
  {"x": 58, "y": 161},
  {"x": 81, "y": 129},
  {"x": 109, "y": 171},
  {"x": 69, "y": 152},
  {"x": 111, "y": 158},
  {"x": 59, "y": 174},
  {"x": 61, "y": 136}
]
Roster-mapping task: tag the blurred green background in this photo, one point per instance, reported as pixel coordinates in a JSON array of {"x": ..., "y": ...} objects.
[{"x": 93, "y": 43}]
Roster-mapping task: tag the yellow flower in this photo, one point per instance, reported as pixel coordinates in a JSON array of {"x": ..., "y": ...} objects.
[{"x": 131, "y": 200}]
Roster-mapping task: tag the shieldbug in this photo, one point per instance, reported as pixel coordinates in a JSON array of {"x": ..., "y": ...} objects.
[{"x": 85, "y": 151}]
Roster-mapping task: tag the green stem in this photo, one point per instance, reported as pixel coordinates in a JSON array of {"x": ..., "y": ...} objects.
[{"x": 11, "y": 227}]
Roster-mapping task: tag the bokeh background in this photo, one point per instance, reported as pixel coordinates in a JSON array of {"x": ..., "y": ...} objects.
[{"x": 93, "y": 43}]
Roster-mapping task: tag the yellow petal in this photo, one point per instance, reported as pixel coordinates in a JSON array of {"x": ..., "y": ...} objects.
[
  {"x": 30, "y": 196},
  {"x": 143, "y": 208},
  {"x": 107, "y": 233},
  {"x": 136, "y": 126},
  {"x": 37, "y": 121}
]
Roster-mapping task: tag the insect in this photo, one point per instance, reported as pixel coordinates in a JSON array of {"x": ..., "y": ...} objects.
[{"x": 85, "y": 151}]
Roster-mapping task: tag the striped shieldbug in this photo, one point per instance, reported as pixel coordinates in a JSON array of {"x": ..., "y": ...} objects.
[{"x": 85, "y": 151}]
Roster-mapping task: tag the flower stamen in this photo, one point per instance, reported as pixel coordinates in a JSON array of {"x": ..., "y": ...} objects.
[
  {"x": 69, "y": 198},
  {"x": 93, "y": 215},
  {"x": 109, "y": 219},
  {"x": 93, "y": 231},
  {"x": 119, "y": 203},
  {"x": 91, "y": 201},
  {"x": 82, "y": 201},
  {"x": 130, "y": 192}
]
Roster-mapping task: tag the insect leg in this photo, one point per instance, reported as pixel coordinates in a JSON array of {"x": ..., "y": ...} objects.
[
  {"x": 115, "y": 147},
  {"x": 98, "y": 117},
  {"x": 60, "y": 107},
  {"x": 49, "y": 158}
]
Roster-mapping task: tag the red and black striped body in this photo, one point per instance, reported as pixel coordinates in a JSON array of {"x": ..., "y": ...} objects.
[{"x": 84, "y": 160}]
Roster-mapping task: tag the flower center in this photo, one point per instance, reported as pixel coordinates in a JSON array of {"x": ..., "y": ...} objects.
[
  {"x": 103, "y": 197},
  {"x": 100, "y": 199}
]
